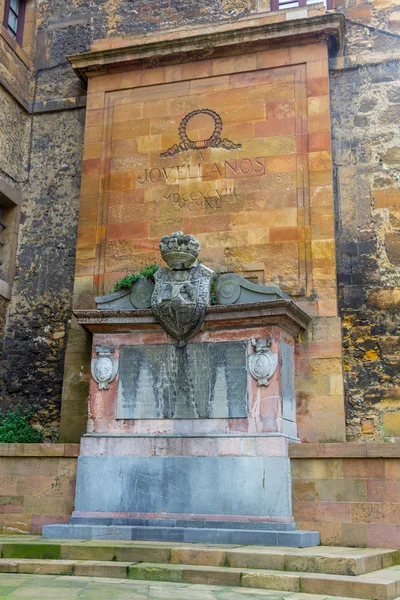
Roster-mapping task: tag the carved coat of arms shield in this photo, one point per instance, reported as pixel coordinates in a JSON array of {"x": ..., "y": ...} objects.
[{"x": 180, "y": 299}]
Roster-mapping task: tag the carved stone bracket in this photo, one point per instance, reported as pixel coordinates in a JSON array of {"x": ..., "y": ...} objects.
[
  {"x": 262, "y": 362},
  {"x": 235, "y": 289},
  {"x": 105, "y": 367},
  {"x": 138, "y": 296}
]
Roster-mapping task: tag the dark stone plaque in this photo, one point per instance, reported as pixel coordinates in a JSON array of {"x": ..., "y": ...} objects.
[{"x": 198, "y": 381}]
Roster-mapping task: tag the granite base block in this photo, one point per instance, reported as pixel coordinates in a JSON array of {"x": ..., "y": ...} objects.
[
  {"x": 296, "y": 539},
  {"x": 237, "y": 486}
]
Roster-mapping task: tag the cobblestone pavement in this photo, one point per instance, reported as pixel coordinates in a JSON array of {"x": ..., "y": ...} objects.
[{"x": 53, "y": 587}]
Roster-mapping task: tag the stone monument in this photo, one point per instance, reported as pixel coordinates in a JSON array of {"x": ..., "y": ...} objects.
[{"x": 191, "y": 410}]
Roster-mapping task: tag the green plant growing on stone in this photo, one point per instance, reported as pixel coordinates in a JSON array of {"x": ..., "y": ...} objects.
[
  {"x": 213, "y": 294},
  {"x": 129, "y": 279},
  {"x": 16, "y": 428},
  {"x": 213, "y": 290}
]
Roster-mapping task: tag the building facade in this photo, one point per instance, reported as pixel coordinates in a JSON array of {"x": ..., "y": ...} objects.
[{"x": 354, "y": 113}]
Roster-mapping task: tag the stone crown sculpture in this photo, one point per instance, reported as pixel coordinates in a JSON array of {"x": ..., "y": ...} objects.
[
  {"x": 182, "y": 292},
  {"x": 179, "y": 251}
]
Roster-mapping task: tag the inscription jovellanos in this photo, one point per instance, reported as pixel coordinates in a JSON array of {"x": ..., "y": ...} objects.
[{"x": 227, "y": 169}]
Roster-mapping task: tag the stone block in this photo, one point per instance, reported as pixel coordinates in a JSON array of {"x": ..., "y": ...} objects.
[
  {"x": 375, "y": 512},
  {"x": 287, "y": 582},
  {"x": 240, "y": 485},
  {"x": 392, "y": 468},
  {"x": 340, "y": 585},
  {"x": 330, "y": 532},
  {"x": 8, "y": 566},
  {"x": 317, "y": 469},
  {"x": 102, "y": 569},
  {"x": 256, "y": 559},
  {"x": 87, "y": 552},
  {"x": 391, "y": 424},
  {"x": 31, "y": 550},
  {"x": 147, "y": 554},
  {"x": 298, "y": 539},
  {"x": 383, "y": 490},
  {"x": 364, "y": 468},
  {"x": 356, "y": 535},
  {"x": 46, "y": 567},
  {"x": 230, "y": 536},
  {"x": 334, "y": 512},
  {"x": 205, "y": 556},
  {"x": 382, "y": 535},
  {"x": 212, "y": 575},
  {"x": 342, "y": 490},
  {"x": 151, "y": 572},
  {"x": 304, "y": 491},
  {"x": 67, "y": 532}
]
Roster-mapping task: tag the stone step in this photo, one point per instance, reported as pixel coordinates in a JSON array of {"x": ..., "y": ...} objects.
[
  {"x": 329, "y": 560},
  {"x": 378, "y": 585}
]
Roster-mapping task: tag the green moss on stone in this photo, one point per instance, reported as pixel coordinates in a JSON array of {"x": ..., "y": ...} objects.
[
  {"x": 86, "y": 552},
  {"x": 154, "y": 573},
  {"x": 31, "y": 550}
]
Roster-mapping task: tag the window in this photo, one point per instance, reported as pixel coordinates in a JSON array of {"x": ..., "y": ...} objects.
[
  {"x": 10, "y": 202},
  {"x": 14, "y": 18}
]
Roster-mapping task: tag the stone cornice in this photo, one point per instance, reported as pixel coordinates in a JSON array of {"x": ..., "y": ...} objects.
[
  {"x": 350, "y": 450},
  {"x": 39, "y": 450},
  {"x": 283, "y": 313},
  {"x": 205, "y": 42}
]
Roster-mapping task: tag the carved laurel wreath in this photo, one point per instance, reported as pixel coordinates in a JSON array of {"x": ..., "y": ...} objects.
[{"x": 214, "y": 141}]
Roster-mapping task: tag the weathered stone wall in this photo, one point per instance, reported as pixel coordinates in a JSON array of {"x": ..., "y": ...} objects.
[
  {"x": 348, "y": 492},
  {"x": 33, "y": 345},
  {"x": 365, "y": 105},
  {"x": 37, "y": 486},
  {"x": 14, "y": 133}
]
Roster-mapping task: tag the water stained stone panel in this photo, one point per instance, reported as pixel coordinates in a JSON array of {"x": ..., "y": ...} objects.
[{"x": 197, "y": 381}]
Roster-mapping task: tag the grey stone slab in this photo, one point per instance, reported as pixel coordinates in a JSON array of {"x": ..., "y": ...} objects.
[
  {"x": 231, "y": 536},
  {"x": 184, "y": 523},
  {"x": 206, "y": 380},
  {"x": 113, "y": 532},
  {"x": 249, "y": 486},
  {"x": 95, "y": 521},
  {"x": 87, "y": 532},
  {"x": 268, "y": 526},
  {"x": 75, "y": 532},
  {"x": 158, "y": 534},
  {"x": 299, "y": 539}
]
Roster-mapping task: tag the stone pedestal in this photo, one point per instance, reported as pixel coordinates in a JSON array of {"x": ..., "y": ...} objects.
[{"x": 190, "y": 444}]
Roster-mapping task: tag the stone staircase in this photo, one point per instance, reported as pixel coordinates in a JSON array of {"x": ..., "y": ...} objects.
[{"x": 366, "y": 573}]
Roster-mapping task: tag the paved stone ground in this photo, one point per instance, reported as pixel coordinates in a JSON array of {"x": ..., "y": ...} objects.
[{"x": 42, "y": 587}]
